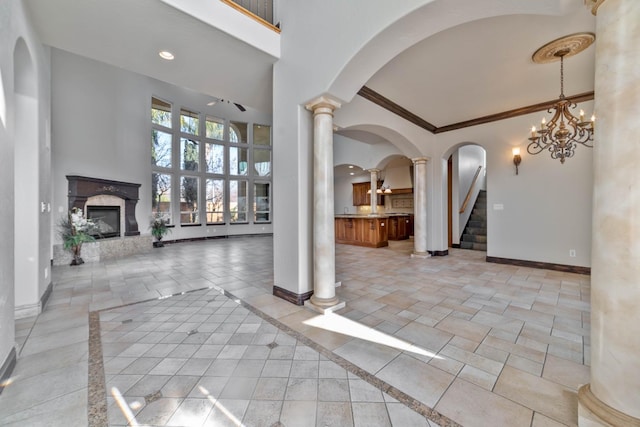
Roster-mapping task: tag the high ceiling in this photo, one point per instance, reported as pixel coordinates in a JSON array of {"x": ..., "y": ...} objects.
[
  {"x": 469, "y": 71},
  {"x": 130, "y": 33},
  {"x": 484, "y": 67}
]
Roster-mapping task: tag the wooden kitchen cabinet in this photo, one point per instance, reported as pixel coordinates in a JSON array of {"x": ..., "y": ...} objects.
[
  {"x": 399, "y": 227},
  {"x": 362, "y": 231},
  {"x": 361, "y": 197}
]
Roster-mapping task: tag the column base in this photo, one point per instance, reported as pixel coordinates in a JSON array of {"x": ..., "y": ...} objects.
[
  {"x": 324, "y": 305},
  {"x": 592, "y": 412},
  {"x": 415, "y": 254}
]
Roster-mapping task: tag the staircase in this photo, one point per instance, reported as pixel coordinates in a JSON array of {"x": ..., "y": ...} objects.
[{"x": 475, "y": 233}]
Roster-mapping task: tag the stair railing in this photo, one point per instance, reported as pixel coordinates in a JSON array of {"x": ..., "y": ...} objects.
[
  {"x": 258, "y": 10},
  {"x": 473, "y": 183}
]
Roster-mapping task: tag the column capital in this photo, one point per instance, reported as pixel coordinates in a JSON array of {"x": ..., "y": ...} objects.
[
  {"x": 373, "y": 170},
  {"x": 594, "y": 5},
  {"x": 416, "y": 160},
  {"x": 323, "y": 101}
]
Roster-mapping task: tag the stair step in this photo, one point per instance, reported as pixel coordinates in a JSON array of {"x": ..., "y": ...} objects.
[
  {"x": 475, "y": 224},
  {"x": 474, "y": 238},
  {"x": 479, "y": 246},
  {"x": 466, "y": 245},
  {"x": 476, "y": 217},
  {"x": 475, "y": 230}
]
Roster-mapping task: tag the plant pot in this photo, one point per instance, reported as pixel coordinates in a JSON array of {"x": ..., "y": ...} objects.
[
  {"x": 77, "y": 260},
  {"x": 158, "y": 244}
]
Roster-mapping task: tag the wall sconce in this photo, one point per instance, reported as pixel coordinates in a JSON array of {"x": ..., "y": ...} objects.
[{"x": 516, "y": 158}]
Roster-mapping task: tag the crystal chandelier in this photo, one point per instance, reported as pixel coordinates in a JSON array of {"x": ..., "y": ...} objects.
[{"x": 562, "y": 134}]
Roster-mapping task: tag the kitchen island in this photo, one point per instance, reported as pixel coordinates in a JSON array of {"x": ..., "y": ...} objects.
[{"x": 362, "y": 230}]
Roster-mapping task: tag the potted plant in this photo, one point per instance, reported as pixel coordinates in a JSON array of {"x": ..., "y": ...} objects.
[
  {"x": 159, "y": 228},
  {"x": 75, "y": 230}
]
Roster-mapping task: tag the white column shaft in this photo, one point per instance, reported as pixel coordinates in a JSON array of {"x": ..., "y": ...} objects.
[
  {"x": 324, "y": 258},
  {"x": 615, "y": 265},
  {"x": 374, "y": 189},
  {"x": 420, "y": 206},
  {"x": 324, "y": 268}
]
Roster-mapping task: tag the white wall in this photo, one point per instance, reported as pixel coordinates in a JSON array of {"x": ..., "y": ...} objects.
[
  {"x": 546, "y": 207},
  {"x": 34, "y": 252},
  {"x": 102, "y": 129}
]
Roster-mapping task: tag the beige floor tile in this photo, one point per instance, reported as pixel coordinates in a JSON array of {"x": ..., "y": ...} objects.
[
  {"x": 548, "y": 398},
  {"x": 469, "y": 330},
  {"x": 421, "y": 381},
  {"x": 478, "y": 377},
  {"x": 565, "y": 372},
  {"x": 488, "y": 365},
  {"x": 471, "y": 405}
]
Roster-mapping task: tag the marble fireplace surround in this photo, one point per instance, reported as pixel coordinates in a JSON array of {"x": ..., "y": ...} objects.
[{"x": 82, "y": 188}]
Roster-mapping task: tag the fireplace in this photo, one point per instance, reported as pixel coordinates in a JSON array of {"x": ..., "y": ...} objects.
[
  {"x": 107, "y": 220},
  {"x": 82, "y": 188}
]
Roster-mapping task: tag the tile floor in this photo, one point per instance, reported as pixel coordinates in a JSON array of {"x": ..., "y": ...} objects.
[{"x": 455, "y": 339}]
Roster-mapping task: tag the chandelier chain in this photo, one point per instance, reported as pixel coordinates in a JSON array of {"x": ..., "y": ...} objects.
[{"x": 562, "y": 77}]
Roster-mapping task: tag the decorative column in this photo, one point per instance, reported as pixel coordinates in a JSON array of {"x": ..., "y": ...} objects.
[
  {"x": 374, "y": 189},
  {"x": 420, "y": 208},
  {"x": 324, "y": 250},
  {"x": 613, "y": 396}
]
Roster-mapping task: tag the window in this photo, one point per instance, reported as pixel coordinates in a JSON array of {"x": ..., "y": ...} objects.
[
  {"x": 214, "y": 157},
  {"x": 160, "y": 113},
  {"x": 238, "y": 160},
  {"x": 261, "y": 135},
  {"x": 189, "y": 122},
  {"x": 238, "y": 201},
  {"x": 161, "y": 148},
  {"x": 214, "y": 128},
  {"x": 161, "y": 196},
  {"x": 261, "y": 202},
  {"x": 262, "y": 162},
  {"x": 189, "y": 154},
  {"x": 189, "y": 190},
  {"x": 207, "y": 169},
  {"x": 215, "y": 201},
  {"x": 238, "y": 132}
]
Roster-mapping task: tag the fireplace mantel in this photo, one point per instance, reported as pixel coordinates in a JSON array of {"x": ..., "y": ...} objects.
[{"x": 81, "y": 188}]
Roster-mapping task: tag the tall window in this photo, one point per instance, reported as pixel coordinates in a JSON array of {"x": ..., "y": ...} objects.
[
  {"x": 161, "y": 195},
  {"x": 238, "y": 201},
  {"x": 215, "y": 201},
  {"x": 161, "y": 153},
  {"x": 207, "y": 169},
  {"x": 189, "y": 190},
  {"x": 261, "y": 202}
]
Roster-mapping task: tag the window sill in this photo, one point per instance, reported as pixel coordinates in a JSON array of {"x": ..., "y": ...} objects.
[{"x": 190, "y": 225}]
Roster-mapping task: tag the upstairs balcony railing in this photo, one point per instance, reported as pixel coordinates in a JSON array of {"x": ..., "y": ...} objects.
[{"x": 260, "y": 10}]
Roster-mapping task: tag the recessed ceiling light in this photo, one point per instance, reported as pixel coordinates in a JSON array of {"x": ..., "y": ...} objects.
[
  {"x": 165, "y": 54},
  {"x": 352, "y": 173},
  {"x": 350, "y": 166},
  {"x": 212, "y": 103}
]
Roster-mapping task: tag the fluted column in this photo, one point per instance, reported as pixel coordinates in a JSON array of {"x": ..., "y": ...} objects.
[
  {"x": 613, "y": 396},
  {"x": 420, "y": 208},
  {"x": 324, "y": 257},
  {"x": 374, "y": 189}
]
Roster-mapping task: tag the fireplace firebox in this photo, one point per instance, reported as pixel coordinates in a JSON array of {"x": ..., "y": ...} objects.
[{"x": 106, "y": 219}]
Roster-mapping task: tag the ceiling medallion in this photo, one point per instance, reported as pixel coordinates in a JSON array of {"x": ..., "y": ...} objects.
[{"x": 563, "y": 131}]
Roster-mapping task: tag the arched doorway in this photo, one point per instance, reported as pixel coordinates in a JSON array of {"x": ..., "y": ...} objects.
[{"x": 466, "y": 196}]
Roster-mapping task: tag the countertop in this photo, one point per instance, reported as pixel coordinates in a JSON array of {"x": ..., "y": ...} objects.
[{"x": 386, "y": 215}]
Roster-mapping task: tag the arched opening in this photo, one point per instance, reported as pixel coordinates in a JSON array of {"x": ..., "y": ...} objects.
[
  {"x": 26, "y": 179},
  {"x": 466, "y": 196}
]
